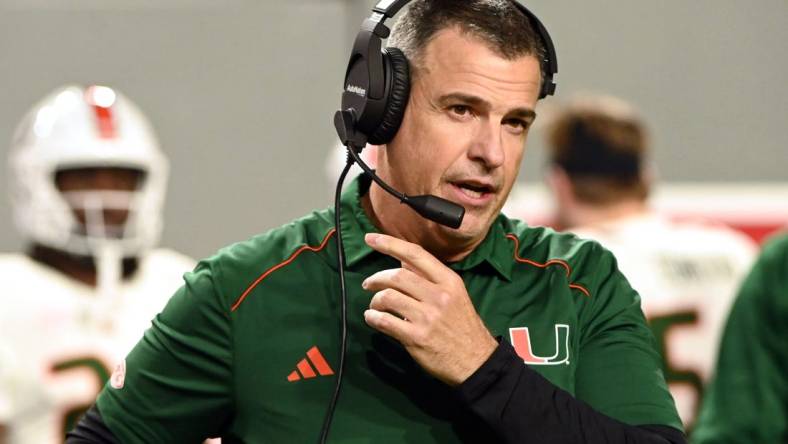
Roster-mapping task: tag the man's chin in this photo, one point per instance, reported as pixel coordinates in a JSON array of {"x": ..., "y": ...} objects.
[{"x": 472, "y": 229}]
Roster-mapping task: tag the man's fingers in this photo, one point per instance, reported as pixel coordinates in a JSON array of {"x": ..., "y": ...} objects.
[
  {"x": 408, "y": 253},
  {"x": 405, "y": 281},
  {"x": 390, "y": 325},
  {"x": 392, "y": 301}
]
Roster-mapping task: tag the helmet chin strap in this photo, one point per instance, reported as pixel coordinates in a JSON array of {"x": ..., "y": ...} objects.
[{"x": 108, "y": 258}]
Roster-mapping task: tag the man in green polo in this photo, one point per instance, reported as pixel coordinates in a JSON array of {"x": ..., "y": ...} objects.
[{"x": 492, "y": 332}]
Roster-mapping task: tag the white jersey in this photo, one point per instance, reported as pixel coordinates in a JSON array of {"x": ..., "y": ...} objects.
[
  {"x": 687, "y": 274},
  {"x": 59, "y": 342}
]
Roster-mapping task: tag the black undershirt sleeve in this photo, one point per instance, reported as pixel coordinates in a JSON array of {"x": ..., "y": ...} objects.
[
  {"x": 91, "y": 429},
  {"x": 522, "y": 406}
]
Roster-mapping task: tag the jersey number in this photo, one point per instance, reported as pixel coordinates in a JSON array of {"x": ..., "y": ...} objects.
[
  {"x": 102, "y": 374},
  {"x": 660, "y": 326}
]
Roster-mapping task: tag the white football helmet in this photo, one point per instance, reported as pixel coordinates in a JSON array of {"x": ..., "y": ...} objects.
[{"x": 76, "y": 127}]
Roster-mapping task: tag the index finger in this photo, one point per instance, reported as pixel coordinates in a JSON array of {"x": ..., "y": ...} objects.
[{"x": 411, "y": 255}]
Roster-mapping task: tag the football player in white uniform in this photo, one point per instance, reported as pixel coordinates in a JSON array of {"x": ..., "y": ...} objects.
[
  {"x": 686, "y": 271},
  {"x": 88, "y": 180}
]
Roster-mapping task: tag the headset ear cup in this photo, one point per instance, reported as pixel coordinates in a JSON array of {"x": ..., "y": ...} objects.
[{"x": 397, "y": 100}]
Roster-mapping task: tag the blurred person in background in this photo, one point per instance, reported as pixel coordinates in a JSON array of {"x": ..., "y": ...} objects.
[
  {"x": 686, "y": 271},
  {"x": 88, "y": 181},
  {"x": 747, "y": 400}
]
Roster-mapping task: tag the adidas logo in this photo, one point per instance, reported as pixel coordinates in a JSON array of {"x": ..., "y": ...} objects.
[{"x": 304, "y": 370}]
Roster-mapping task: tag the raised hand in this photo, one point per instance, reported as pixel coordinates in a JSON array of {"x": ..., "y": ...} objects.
[{"x": 424, "y": 305}]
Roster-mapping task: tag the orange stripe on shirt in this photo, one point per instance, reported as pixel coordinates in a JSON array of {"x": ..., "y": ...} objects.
[
  {"x": 280, "y": 265},
  {"x": 517, "y": 258}
]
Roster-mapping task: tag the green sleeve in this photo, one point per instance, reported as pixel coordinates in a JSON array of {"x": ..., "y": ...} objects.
[
  {"x": 619, "y": 371},
  {"x": 747, "y": 401},
  {"x": 178, "y": 383}
]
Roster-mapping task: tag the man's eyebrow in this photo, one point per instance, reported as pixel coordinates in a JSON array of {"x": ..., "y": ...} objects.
[
  {"x": 523, "y": 113},
  {"x": 463, "y": 98}
]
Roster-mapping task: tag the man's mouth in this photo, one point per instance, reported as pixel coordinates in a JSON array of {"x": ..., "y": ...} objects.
[{"x": 474, "y": 189}]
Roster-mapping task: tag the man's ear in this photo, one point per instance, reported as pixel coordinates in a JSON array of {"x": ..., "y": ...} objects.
[
  {"x": 561, "y": 186},
  {"x": 649, "y": 176}
]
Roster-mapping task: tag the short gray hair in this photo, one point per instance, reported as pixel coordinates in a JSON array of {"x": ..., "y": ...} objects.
[{"x": 498, "y": 23}]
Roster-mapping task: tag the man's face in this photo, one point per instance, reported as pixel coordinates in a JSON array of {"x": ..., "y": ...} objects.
[
  {"x": 464, "y": 130},
  {"x": 99, "y": 179}
]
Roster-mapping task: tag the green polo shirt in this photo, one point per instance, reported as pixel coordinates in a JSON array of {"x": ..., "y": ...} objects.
[{"x": 248, "y": 347}]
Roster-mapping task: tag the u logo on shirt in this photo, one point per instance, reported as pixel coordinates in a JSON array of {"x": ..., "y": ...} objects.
[{"x": 521, "y": 341}]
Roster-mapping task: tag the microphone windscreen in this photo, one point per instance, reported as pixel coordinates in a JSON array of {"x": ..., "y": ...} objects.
[{"x": 437, "y": 209}]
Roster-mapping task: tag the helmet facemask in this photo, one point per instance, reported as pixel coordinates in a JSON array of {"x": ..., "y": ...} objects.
[{"x": 106, "y": 205}]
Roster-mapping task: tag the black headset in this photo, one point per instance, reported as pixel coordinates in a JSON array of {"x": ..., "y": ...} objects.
[
  {"x": 377, "y": 80},
  {"x": 376, "y": 92}
]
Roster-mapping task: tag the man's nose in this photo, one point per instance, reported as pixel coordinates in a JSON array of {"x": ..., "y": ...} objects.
[
  {"x": 104, "y": 180},
  {"x": 487, "y": 147},
  {"x": 114, "y": 179}
]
